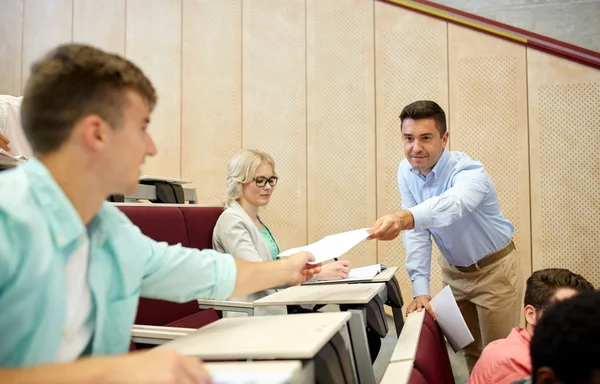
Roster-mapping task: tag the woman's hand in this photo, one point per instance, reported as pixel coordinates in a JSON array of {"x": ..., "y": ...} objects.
[{"x": 335, "y": 270}]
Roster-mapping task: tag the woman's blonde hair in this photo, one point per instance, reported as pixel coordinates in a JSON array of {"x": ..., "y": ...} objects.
[{"x": 241, "y": 169}]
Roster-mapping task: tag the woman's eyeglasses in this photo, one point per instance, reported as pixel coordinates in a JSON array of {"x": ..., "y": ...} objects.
[{"x": 262, "y": 181}]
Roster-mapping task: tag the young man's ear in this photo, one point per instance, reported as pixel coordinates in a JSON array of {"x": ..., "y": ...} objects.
[
  {"x": 93, "y": 131},
  {"x": 530, "y": 315}
]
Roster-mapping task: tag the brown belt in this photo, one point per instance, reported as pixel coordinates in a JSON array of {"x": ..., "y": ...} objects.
[{"x": 489, "y": 259}]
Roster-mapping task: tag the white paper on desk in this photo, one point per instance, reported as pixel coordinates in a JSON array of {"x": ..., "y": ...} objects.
[
  {"x": 331, "y": 246},
  {"x": 364, "y": 273},
  {"x": 9, "y": 159},
  {"x": 450, "y": 319},
  {"x": 251, "y": 377}
]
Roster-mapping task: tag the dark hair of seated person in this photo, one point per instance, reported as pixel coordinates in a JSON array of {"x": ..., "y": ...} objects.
[{"x": 565, "y": 347}]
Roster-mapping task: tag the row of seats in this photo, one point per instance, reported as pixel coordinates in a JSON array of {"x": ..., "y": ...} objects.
[{"x": 421, "y": 347}]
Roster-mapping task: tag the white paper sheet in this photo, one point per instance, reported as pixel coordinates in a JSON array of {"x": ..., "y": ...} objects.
[
  {"x": 251, "y": 377},
  {"x": 8, "y": 159},
  {"x": 450, "y": 319},
  {"x": 364, "y": 273},
  {"x": 331, "y": 246}
]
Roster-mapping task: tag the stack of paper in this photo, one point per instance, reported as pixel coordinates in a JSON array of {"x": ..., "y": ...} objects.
[
  {"x": 450, "y": 319},
  {"x": 331, "y": 246}
]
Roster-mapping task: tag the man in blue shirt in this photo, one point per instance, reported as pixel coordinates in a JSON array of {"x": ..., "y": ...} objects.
[
  {"x": 450, "y": 197},
  {"x": 72, "y": 267}
]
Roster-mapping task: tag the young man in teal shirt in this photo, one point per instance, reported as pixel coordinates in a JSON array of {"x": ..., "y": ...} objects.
[{"x": 73, "y": 267}]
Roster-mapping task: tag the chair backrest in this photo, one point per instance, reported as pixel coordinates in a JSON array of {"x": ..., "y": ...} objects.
[
  {"x": 200, "y": 223},
  {"x": 161, "y": 223},
  {"x": 420, "y": 355},
  {"x": 431, "y": 361},
  {"x": 190, "y": 226}
]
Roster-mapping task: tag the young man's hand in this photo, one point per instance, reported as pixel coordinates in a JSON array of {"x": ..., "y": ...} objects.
[{"x": 299, "y": 268}]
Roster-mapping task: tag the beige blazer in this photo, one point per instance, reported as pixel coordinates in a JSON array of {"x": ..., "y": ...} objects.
[{"x": 235, "y": 233}]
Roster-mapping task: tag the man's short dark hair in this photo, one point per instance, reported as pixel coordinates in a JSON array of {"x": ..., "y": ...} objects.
[
  {"x": 567, "y": 339},
  {"x": 542, "y": 285},
  {"x": 71, "y": 82},
  {"x": 425, "y": 109}
]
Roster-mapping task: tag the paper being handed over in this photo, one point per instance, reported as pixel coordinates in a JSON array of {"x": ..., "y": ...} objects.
[
  {"x": 450, "y": 319},
  {"x": 331, "y": 246}
]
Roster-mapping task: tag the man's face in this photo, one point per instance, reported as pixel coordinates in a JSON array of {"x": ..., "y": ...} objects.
[
  {"x": 423, "y": 144},
  {"x": 130, "y": 144}
]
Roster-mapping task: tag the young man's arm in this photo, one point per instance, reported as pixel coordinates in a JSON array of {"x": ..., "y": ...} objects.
[
  {"x": 180, "y": 274},
  {"x": 253, "y": 277},
  {"x": 155, "y": 367}
]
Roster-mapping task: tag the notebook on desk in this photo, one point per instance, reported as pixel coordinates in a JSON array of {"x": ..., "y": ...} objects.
[{"x": 356, "y": 274}]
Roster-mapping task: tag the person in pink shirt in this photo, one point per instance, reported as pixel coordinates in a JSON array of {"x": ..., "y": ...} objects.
[{"x": 506, "y": 360}]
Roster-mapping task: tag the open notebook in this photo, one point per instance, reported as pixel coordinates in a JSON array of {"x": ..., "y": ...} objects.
[{"x": 356, "y": 274}]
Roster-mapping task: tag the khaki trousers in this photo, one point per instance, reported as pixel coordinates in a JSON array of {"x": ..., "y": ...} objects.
[{"x": 489, "y": 300}]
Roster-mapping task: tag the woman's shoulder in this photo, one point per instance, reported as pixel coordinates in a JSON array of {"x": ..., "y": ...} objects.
[{"x": 230, "y": 217}]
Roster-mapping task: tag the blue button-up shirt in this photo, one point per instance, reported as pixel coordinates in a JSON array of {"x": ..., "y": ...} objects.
[
  {"x": 40, "y": 229},
  {"x": 457, "y": 205}
]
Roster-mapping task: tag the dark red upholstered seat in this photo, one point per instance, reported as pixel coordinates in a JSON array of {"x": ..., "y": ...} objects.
[
  {"x": 200, "y": 223},
  {"x": 432, "y": 364}
]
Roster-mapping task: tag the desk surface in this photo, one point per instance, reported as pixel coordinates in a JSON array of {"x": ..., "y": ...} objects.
[
  {"x": 298, "y": 336},
  {"x": 319, "y": 294},
  {"x": 397, "y": 372},
  {"x": 254, "y": 372},
  {"x": 385, "y": 275},
  {"x": 254, "y": 366},
  {"x": 406, "y": 347}
]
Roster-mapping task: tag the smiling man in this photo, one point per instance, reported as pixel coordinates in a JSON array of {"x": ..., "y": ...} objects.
[{"x": 450, "y": 197}]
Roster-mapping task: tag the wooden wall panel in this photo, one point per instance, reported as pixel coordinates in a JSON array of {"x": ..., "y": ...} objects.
[
  {"x": 411, "y": 64},
  {"x": 488, "y": 120},
  {"x": 341, "y": 121},
  {"x": 211, "y": 93},
  {"x": 564, "y": 116},
  {"x": 46, "y": 24},
  {"x": 153, "y": 42},
  {"x": 100, "y": 24},
  {"x": 11, "y": 47},
  {"x": 274, "y": 107}
]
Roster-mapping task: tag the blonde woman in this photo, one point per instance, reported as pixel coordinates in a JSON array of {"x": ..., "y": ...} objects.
[{"x": 251, "y": 180}]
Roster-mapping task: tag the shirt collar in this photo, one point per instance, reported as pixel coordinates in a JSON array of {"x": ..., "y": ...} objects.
[
  {"x": 524, "y": 334},
  {"x": 64, "y": 221},
  {"x": 438, "y": 168}
]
